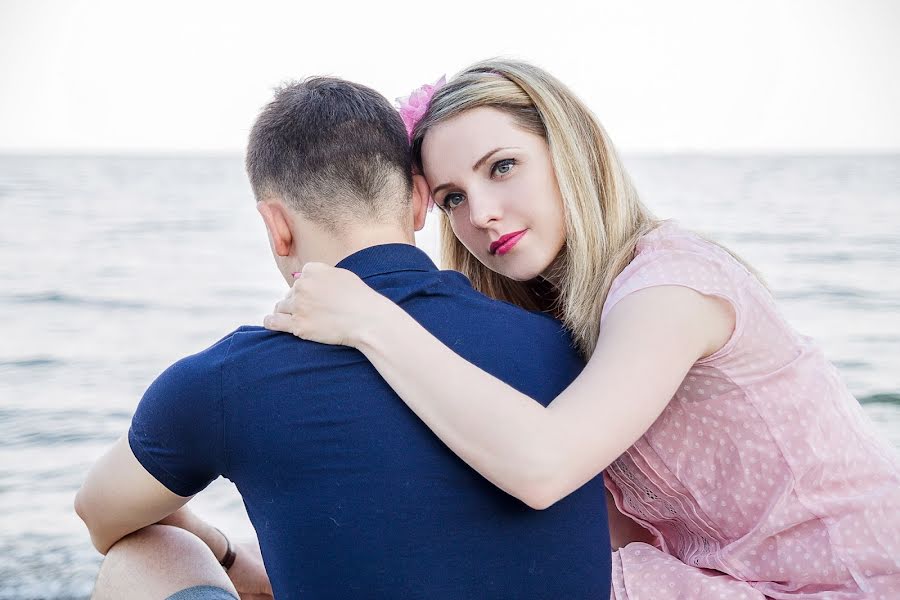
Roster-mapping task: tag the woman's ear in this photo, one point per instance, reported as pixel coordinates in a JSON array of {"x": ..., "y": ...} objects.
[{"x": 421, "y": 200}]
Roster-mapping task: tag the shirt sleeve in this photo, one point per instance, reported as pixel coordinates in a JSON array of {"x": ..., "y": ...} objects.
[
  {"x": 177, "y": 432},
  {"x": 709, "y": 273}
]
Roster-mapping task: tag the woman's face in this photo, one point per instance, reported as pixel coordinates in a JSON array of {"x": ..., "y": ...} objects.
[{"x": 497, "y": 185}]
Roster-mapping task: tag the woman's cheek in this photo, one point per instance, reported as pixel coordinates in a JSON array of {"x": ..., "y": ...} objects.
[{"x": 464, "y": 233}]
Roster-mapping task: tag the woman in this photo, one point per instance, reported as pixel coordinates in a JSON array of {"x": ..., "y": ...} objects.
[{"x": 722, "y": 432}]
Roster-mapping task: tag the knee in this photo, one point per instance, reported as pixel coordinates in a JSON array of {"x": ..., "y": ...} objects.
[
  {"x": 158, "y": 560},
  {"x": 160, "y": 541}
]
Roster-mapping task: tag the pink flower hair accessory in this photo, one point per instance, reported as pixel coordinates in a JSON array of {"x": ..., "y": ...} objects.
[{"x": 414, "y": 106}]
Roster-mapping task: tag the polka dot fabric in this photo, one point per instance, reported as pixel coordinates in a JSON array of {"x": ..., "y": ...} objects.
[{"x": 762, "y": 478}]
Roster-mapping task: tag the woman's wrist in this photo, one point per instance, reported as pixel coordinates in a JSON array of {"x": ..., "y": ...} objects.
[{"x": 383, "y": 317}]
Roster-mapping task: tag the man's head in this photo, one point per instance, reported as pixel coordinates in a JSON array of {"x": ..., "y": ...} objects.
[{"x": 330, "y": 166}]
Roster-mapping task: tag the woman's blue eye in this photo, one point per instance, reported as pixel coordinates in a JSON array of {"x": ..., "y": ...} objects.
[
  {"x": 451, "y": 201},
  {"x": 502, "y": 167}
]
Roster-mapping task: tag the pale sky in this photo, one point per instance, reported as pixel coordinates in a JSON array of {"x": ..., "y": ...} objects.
[{"x": 662, "y": 76}]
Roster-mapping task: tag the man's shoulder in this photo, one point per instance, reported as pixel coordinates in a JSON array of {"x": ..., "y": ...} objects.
[
  {"x": 199, "y": 376},
  {"x": 513, "y": 311},
  {"x": 257, "y": 350},
  {"x": 539, "y": 330},
  {"x": 199, "y": 366},
  {"x": 213, "y": 353},
  {"x": 214, "y": 356}
]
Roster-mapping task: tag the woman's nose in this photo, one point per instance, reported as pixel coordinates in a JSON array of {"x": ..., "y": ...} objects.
[{"x": 483, "y": 211}]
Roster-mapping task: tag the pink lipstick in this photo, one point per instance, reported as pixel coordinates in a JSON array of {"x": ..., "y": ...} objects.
[{"x": 506, "y": 242}]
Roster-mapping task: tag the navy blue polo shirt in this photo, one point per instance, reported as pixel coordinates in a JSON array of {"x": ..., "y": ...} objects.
[{"x": 351, "y": 495}]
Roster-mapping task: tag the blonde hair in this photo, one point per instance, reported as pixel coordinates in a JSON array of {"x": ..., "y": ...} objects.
[{"x": 604, "y": 216}]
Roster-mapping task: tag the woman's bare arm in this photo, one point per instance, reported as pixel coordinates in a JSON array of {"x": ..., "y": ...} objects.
[{"x": 647, "y": 344}]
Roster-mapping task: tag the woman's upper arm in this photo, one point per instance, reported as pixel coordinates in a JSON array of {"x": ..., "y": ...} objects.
[{"x": 647, "y": 344}]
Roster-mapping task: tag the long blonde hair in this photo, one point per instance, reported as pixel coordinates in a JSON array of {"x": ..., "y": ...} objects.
[{"x": 604, "y": 216}]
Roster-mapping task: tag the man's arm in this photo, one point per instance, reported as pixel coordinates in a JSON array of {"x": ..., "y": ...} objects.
[
  {"x": 248, "y": 573},
  {"x": 174, "y": 448},
  {"x": 119, "y": 497},
  {"x": 185, "y": 518}
]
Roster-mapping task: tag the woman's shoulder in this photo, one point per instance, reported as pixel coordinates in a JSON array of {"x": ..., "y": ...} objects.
[
  {"x": 670, "y": 242},
  {"x": 672, "y": 235},
  {"x": 673, "y": 255}
]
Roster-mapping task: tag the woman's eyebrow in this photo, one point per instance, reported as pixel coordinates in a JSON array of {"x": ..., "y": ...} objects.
[
  {"x": 475, "y": 167},
  {"x": 434, "y": 192},
  {"x": 484, "y": 158}
]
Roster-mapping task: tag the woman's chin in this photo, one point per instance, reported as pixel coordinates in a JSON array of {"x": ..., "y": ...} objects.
[{"x": 517, "y": 271}]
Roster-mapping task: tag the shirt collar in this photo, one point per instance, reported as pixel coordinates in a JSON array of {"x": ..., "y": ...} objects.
[{"x": 386, "y": 258}]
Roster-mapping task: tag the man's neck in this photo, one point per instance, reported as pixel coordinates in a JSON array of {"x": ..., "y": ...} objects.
[{"x": 332, "y": 249}]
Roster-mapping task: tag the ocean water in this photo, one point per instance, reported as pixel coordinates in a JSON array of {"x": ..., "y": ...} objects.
[{"x": 114, "y": 267}]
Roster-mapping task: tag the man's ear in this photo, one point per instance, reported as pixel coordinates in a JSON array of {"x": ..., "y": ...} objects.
[
  {"x": 421, "y": 196},
  {"x": 278, "y": 225}
]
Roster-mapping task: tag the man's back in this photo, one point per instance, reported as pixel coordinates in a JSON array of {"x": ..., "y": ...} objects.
[{"x": 350, "y": 494}]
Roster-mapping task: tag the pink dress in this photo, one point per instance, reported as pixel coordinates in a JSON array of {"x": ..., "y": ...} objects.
[{"x": 762, "y": 478}]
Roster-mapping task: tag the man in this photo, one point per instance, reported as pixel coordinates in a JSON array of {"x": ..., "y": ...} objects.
[{"x": 349, "y": 493}]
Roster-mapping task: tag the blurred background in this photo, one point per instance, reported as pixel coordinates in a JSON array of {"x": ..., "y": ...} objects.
[{"x": 129, "y": 237}]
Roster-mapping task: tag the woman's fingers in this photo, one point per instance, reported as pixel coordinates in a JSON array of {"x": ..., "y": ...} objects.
[
  {"x": 285, "y": 306},
  {"x": 279, "y": 322},
  {"x": 284, "y": 315},
  {"x": 324, "y": 304},
  {"x": 311, "y": 268}
]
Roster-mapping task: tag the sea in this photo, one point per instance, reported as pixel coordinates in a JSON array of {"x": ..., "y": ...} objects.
[{"x": 113, "y": 267}]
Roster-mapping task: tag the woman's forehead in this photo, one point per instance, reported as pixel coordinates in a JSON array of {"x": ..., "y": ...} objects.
[{"x": 459, "y": 142}]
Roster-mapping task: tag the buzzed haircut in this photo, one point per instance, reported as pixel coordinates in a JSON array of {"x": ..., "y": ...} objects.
[{"x": 333, "y": 150}]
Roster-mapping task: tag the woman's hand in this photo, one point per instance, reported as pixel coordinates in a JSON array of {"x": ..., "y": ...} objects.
[{"x": 328, "y": 305}]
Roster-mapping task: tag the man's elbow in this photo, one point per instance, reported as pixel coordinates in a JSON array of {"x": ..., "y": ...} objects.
[{"x": 82, "y": 509}]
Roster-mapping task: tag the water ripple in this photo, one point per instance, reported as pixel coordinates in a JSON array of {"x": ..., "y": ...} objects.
[
  {"x": 73, "y": 300},
  {"x": 881, "y": 399},
  {"x": 36, "y": 361}
]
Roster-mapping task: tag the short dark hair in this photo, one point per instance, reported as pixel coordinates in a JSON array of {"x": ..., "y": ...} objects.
[{"x": 332, "y": 150}]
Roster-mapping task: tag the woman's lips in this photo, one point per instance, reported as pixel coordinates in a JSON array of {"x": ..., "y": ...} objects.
[{"x": 506, "y": 242}]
